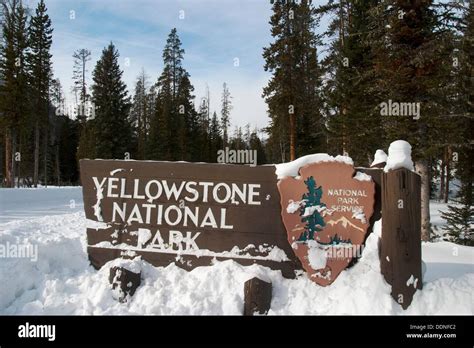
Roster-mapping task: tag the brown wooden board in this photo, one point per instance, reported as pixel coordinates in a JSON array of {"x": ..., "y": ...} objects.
[
  {"x": 400, "y": 247},
  {"x": 204, "y": 212}
]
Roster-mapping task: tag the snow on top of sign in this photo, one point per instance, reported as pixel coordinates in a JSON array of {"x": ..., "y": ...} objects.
[
  {"x": 380, "y": 157},
  {"x": 362, "y": 177},
  {"x": 292, "y": 168},
  {"x": 399, "y": 156}
]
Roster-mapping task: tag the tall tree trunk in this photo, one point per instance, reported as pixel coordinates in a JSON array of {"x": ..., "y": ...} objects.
[
  {"x": 441, "y": 176},
  {"x": 469, "y": 178},
  {"x": 140, "y": 130},
  {"x": 12, "y": 159},
  {"x": 448, "y": 174},
  {"x": 282, "y": 152},
  {"x": 344, "y": 140},
  {"x": 45, "y": 157},
  {"x": 343, "y": 107},
  {"x": 423, "y": 170},
  {"x": 58, "y": 173},
  {"x": 292, "y": 137},
  {"x": 18, "y": 163},
  {"x": 8, "y": 158},
  {"x": 36, "y": 159}
]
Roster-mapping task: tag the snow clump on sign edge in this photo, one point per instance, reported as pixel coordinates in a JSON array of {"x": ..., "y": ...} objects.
[{"x": 292, "y": 168}]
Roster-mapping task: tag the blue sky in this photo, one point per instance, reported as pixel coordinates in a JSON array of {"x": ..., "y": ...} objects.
[{"x": 213, "y": 34}]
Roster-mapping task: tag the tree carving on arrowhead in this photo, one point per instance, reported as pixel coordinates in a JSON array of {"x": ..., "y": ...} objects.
[{"x": 314, "y": 221}]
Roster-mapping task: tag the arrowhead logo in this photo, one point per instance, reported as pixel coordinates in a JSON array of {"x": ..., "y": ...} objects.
[{"x": 326, "y": 213}]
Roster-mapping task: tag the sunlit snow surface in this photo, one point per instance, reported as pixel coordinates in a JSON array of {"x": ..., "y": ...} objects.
[
  {"x": 62, "y": 282},
  {"x": 18, "y": 204}
]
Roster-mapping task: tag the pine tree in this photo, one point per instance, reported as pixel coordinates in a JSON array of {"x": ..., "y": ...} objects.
[
  {"x": 57, "y": 104},
  {"x": 460, "y": 223},
  {"x": 140, "y": 114},
  {"x": 204, "y": 137},
  {"x": 237, "y": 141},
  {"x": 68, "y": 139},
  {"x": 189, "y": 121},
  {"x": 215, "y": 138},
  {"x": 450, "y": 122},
  {"x": 86, "y": 147},
  {"x": 167, "y": 122},
  {"x": 81, "y": 57},
  {"x": 86, "y": 143},
  {"x": 158, "y": 146},
  {"x": 460, "y": 219},
  {"x": 410, "y": 65},
  {"x": 109, "y": 95},
  {"x": 225, "y": 113},
  {"x": 40, "y": 65},
  {"x": 296, "y": 126},
  {"x": 351, "y": 101},
  {"x": 256, "y": 144},
  {"x": 314, "y": 222},
  {"x": 14, "y": 101}
]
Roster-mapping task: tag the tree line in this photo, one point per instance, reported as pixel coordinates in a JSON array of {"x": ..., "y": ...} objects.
[
  {"x": 415, "y": 56},
  {"x": 325, "y": 94},
  {"x": 42, "y": 138}
]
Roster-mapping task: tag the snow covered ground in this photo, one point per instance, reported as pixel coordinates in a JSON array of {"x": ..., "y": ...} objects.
[
  {"x": 62, "y": 282},
  {"x": 18, "y": 204}
]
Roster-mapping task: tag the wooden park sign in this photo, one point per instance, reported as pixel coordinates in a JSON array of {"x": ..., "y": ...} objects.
[
  {"x": 187, "y": 213},
  {"x": 194, "y": 213}
]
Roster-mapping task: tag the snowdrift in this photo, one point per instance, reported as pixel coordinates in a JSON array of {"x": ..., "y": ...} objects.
[{"x": 63, "y": 282}]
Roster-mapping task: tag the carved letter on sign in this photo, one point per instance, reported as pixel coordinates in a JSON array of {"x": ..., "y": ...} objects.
[{"x": 326, "y": 212}]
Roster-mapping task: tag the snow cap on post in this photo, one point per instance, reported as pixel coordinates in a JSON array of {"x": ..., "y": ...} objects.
[
  {"x": 399, "y": 156},
  {"x": 380, "y": 158}
]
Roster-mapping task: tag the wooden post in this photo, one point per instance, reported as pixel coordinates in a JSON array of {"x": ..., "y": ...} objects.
[
  {"x": 400, "y": 247},
  {"x": 257, "y": 296},
  {"x": 124, "y": 282}
]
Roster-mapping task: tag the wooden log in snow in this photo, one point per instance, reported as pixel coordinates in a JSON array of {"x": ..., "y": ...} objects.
[
  {"x": 257, "y": 296},
  {"x": 124, "y": 282}
]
